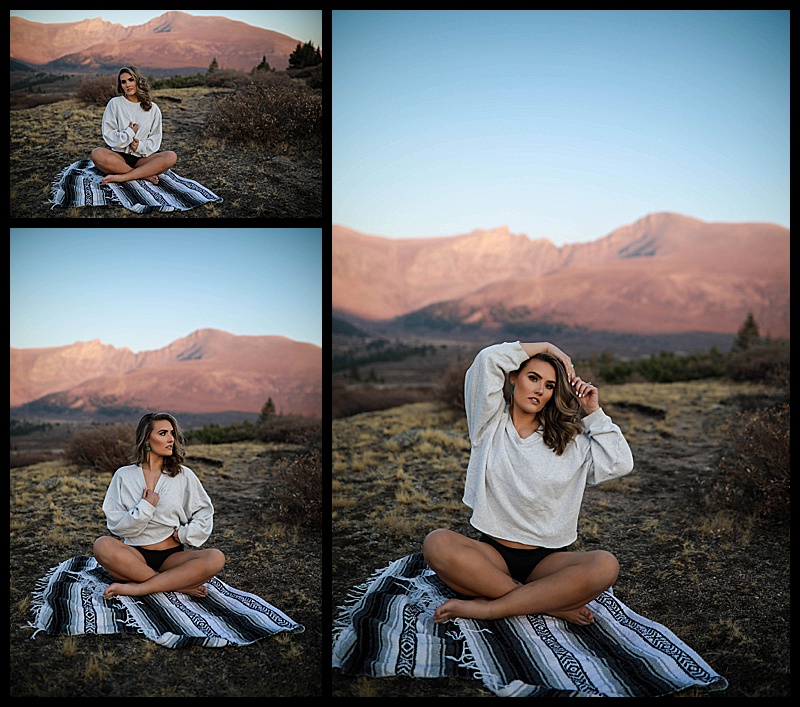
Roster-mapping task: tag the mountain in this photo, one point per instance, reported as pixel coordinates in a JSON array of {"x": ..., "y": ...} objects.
[
  {"x": 665, "y": 273},
  {"x": 174, "y": 40},
  {"x": 208, "y": 371}
]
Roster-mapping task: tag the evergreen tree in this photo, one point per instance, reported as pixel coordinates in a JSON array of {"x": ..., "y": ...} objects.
[
  {"x": 267, "y": 411},
  {"x": 213, "y": 66},
  {"x": 305, "y": 55},
  {"x": 264, "y": 65},
  {"x": 747, "y": 334}
]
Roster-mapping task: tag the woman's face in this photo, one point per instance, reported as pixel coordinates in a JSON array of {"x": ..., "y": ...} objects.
[
  {"x": 534, "y": 386},
  {"x": 162, "y": 439},
  {"x": 128, "y": 83}
]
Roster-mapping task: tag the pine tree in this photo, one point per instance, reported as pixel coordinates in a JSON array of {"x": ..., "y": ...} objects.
[
  {"x": 747, "y": 334},
  {"x": 267, "y": 411}
]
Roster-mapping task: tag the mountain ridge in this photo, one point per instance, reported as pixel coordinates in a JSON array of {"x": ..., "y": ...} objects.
[
  {"x": 663, "y": 273},
  {"x": 209, "y": 370},
  {"x": 174, "y": 40}
]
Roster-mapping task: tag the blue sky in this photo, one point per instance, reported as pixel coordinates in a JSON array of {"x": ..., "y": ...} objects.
[
  {"x": 559, "y": 124},
  {"x": 142, "y": 288},
  {"x": 303, "y": 25}
]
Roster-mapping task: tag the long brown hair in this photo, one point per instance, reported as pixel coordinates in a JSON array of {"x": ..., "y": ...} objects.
[
  {"x": 561, "y": 416},
  {"x": 172, "y": 464},
  {"x": 142, "y": 86}
]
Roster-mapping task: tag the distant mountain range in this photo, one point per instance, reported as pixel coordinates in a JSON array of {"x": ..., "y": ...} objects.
[
  {"x": 175, "y": 40},
  {"x": 666, "y": 273},
  {"x": 209, "y": 371}
]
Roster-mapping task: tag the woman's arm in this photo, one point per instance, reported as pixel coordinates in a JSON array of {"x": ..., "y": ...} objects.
[
  {"x": 121, "y": 520},
  {"x": 546, "y": 347},
  {"x": 149, "y": 144},
  {"x": 199, "y": 510},
  {"x": 116, "y": 137}
]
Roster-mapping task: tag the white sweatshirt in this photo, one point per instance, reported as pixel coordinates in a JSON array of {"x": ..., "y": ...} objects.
[
  {"x": 118, "y": 135},
  {"x": 520, "y": 489},
  {"x": 183, "y": 503}
]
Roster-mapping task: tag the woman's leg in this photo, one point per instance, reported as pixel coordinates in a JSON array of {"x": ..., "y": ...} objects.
[
  {"x": 560, "y": 585},
  {"x": 183, "y": 572},
  {"x": 146, "y": 168},
  {"x": 121, "y": 561},
  {"x": 467, "y": 566}
]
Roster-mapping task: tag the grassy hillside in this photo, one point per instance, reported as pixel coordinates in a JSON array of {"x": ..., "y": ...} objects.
[
  {"x": 706, "y": 563},
  {"x": 56, "y": 513}
]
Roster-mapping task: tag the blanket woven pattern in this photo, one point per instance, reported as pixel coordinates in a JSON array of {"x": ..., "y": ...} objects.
[
  {"x": 69, "y": 601},
  {"x": 80, "y": 184},
  {"x": 386, "y": 628}
]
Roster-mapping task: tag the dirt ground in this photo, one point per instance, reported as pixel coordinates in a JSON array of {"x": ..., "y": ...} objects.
[
  {"x": 254, "y": 183},
  {"x": 56, "y": 514},
  {"x": 718, "y": 578}
]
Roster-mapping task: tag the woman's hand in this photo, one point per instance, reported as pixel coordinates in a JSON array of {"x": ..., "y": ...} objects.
[
  {"x": 587, "y": 394},
  {"x": 546, "y": 347},
  {"x": 150, "y": 496},
  {"x": 135, "y": 144},
  {"x": 175, "y": 535},
  {"x": 135, "y": 127}
]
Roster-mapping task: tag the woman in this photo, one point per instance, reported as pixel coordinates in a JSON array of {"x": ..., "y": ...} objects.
[
  {"x": 132, "y": 129},
  {"x": 528, "y": 468},
  {"x": 157, "y": 505}
]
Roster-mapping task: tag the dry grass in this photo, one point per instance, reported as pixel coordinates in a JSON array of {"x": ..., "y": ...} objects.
[
  {"x": 254, "y": 182},
  {"x": 717, "y": 577},
  {"x": 56, "y": 513}
]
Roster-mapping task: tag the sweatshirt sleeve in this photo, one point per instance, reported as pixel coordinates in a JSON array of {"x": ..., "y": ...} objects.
[
  {"x": 116, "y": 135},
  {"x": 125, "y": 516},
  {"x": 199, "y": 511},
  {"x": 149, "y": 144},
  {"x": 610, "y": 455},
  {"x": 483, "y": 384}
]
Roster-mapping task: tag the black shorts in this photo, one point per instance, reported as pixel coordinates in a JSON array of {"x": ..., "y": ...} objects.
[
  {"x": 130, "y": 160},
  {"x": 520, "y": 562},
  {"x": 155, "y": 558}
]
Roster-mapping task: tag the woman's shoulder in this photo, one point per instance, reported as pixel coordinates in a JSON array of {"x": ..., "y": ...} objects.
[{"x": 128, "y": 470}]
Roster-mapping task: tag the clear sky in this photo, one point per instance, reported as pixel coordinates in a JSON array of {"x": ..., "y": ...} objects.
[
  {"x": 303, "y": 25},
  {"x": 558, "y": 124},
  {"x": 142, "y": 288}
]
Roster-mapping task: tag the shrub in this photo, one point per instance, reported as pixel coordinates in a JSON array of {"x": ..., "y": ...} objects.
[
  {"x": 756, "y": 470},
  {"x": 101, "y": 448},
  {"x": 99, "y": 89},
  {"x": 766, "y": 363},
  {"x": 299, "y": 498},
  {"x": 270, "y": 111},
  {"x": 450, "y": 390},
  {"x": 289, "y": 429}
]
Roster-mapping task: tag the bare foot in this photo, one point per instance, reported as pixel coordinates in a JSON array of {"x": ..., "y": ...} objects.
[
  {"x": 477, "y": 608},
  {"x": 112, "y": 178},
  {"x": 200, "y": 591},
  {"x": 121, "y": 589},
  {"x": 582, "y": 616},
  {"x": 483, "y": 608},
  {"x": 153, "y": 179}
]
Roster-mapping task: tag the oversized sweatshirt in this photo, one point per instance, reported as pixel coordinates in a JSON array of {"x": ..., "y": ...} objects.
[
  {"x": 183, "y": 504},
  {"x": 520, "y": 489},
  {"x": 118, "y": 135}
]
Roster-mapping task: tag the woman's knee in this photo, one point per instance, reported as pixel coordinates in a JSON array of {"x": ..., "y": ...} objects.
[
  {"x": 215, "y": 560},
  {"x": 103, "y": 546},
  {"x": 605, "y": 567},
  {"x": 436, "y": 544},
  {"x": 171, "y": 156}
]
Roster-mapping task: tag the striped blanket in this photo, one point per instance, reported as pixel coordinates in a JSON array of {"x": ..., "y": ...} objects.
[
  {"x": 386, "y": 628},
  {"x": 69, "y": 601},
  {"x": 80, "y": 184}
]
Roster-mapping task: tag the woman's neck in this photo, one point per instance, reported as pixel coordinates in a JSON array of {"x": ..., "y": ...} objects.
[
  {"x": 154, "y": 462},
  {"x": 525, "y": 423}
]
